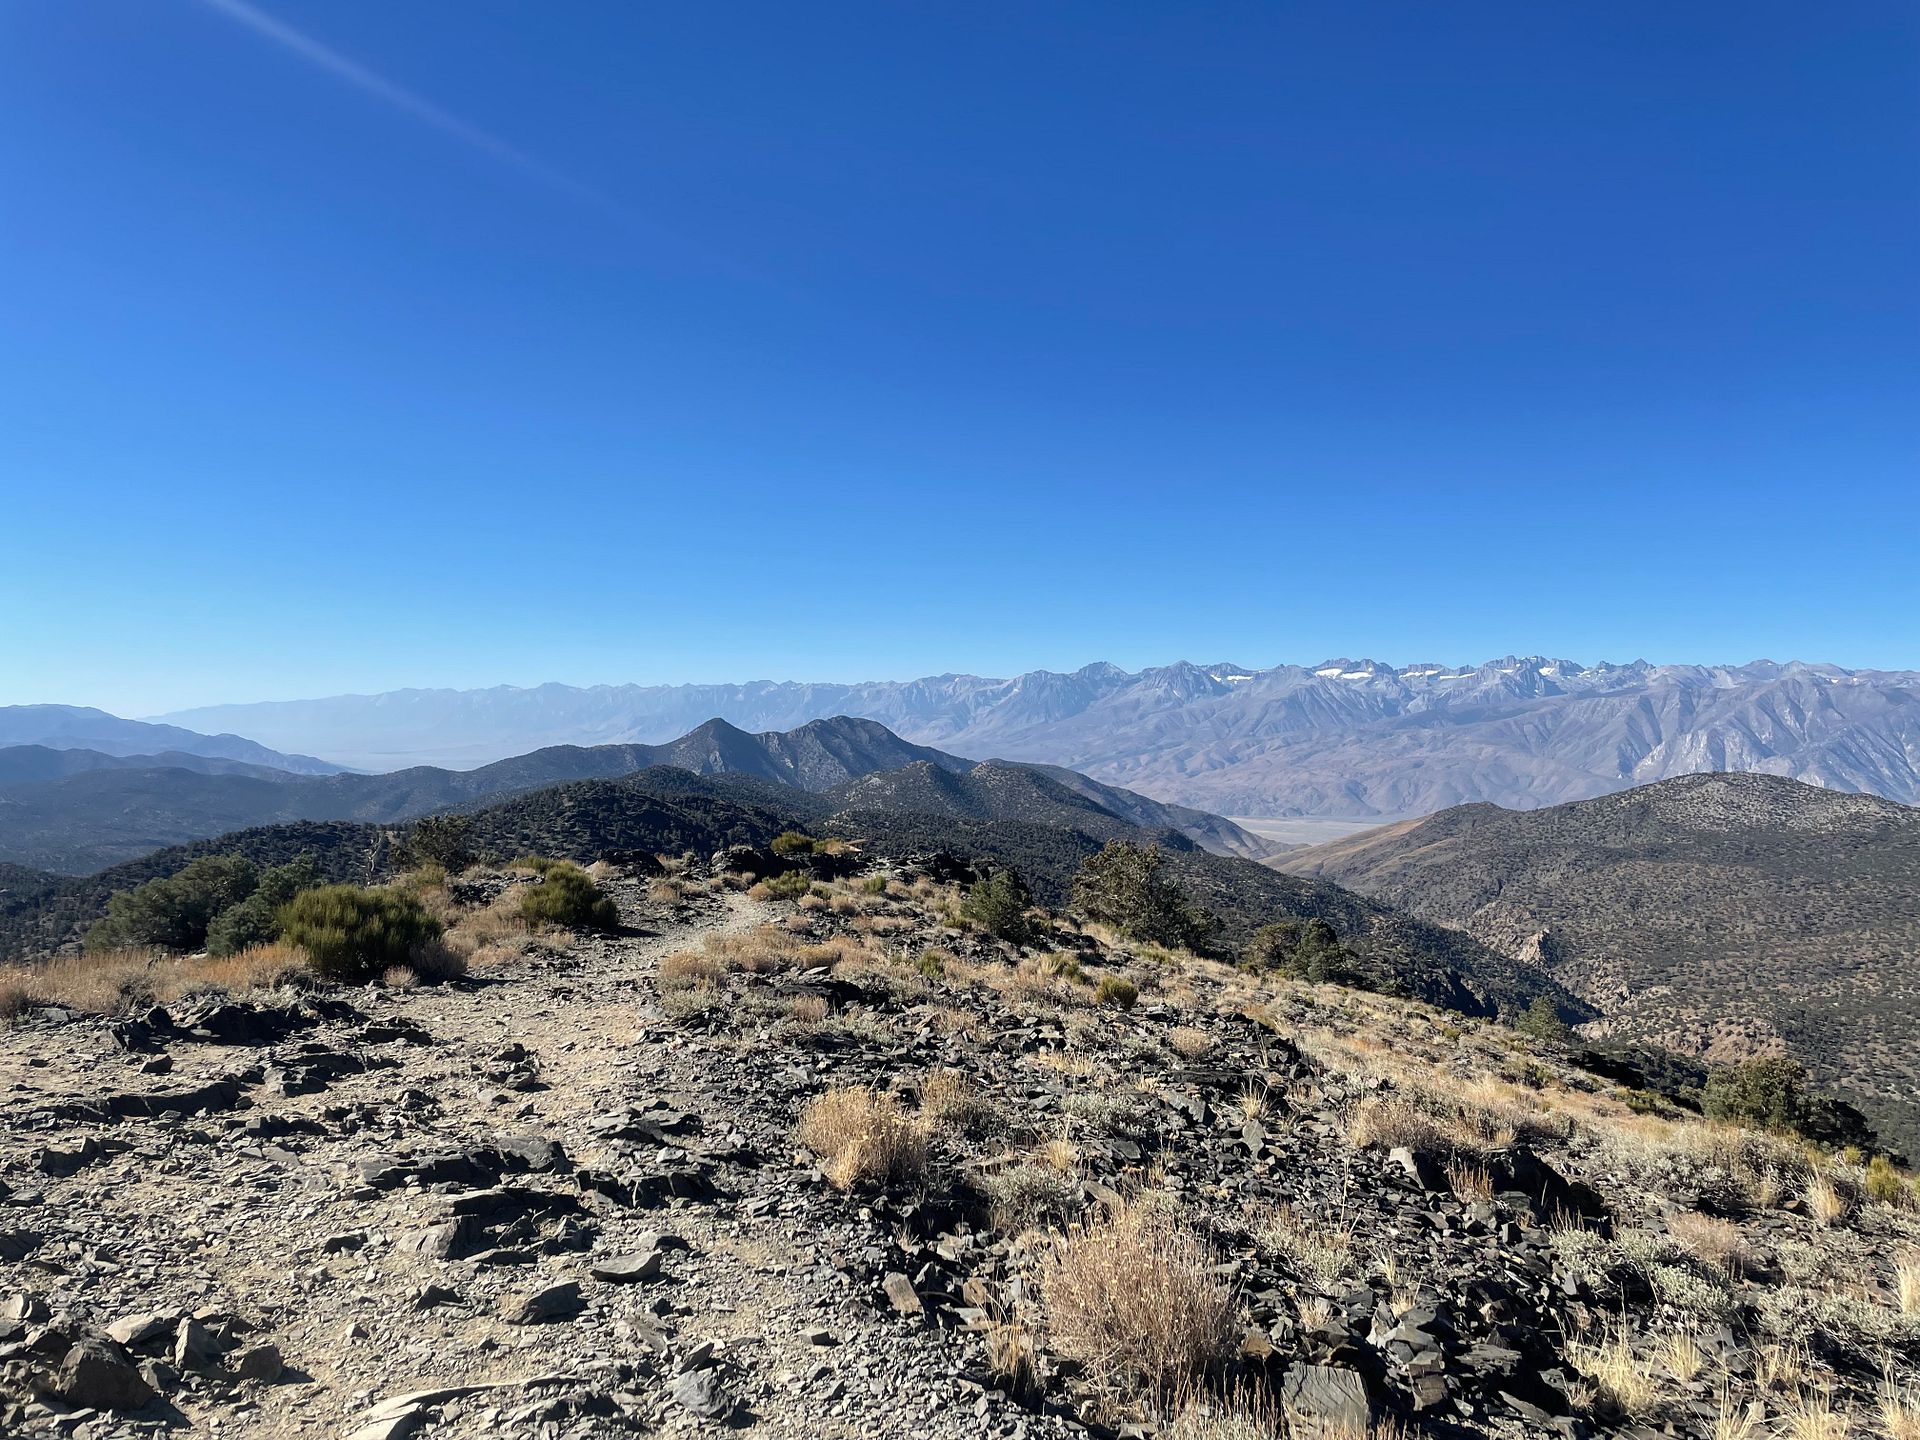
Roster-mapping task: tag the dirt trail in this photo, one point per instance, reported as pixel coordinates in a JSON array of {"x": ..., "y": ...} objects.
[{"x": 319, "y": 1223}]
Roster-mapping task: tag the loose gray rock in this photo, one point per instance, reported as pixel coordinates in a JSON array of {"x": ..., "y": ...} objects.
[
  {"x": 555, "y": 1302},
  {"x": 702, "y": 1393},
  {"x": 99, "y": 1375}
]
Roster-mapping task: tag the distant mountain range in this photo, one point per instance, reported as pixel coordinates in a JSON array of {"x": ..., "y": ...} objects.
[
  {"x": 1345, "y": 737},
  {"x": 1719, "y": 915},
  {"x": 77, "y": 811},
  {"x": 76, "y": 727}
]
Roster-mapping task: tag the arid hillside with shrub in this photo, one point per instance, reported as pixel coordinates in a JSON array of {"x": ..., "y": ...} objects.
[{"x": 1717, "y": 915}]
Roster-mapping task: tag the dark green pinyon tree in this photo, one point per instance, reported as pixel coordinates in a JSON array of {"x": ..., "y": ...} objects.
[
  {"x": 998, "y": 903},
  {"x": 1121, "y": 887}
]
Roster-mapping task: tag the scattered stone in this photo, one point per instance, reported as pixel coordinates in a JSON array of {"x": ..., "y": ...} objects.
[
  {"x": 555, "y": 1302},
  {"x": 259, "y": 1363},
  {"x": 626, "y": 1269},
  {"x": 901, "y": 1294}
]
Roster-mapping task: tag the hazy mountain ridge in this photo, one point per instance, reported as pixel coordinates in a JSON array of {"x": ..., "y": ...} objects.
[
  {"x": 78, "y": 727},
  {"x": 99, "y": 817},
  {"x": 31, "y": 764},
  {"x": 1717, "y": 914},
  {"x": 1345, "y": 737}
]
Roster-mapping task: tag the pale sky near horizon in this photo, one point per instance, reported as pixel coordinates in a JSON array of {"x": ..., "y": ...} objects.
[{"x": 348, "y": 346}]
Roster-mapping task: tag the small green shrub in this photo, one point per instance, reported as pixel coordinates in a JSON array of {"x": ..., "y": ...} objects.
[
  {"x": 1116, "y": 992},
  {"x": 790, "y": 886},
  {"x": 1885, "y": 1183},
  {"x": 355, "y": 935},
  {"x": 1775, "y": 1094},
  {"x": 565, "y": 895},
  {"x": 874, "y": 885},
  {"x": 1541, "y": 1021},
  {"x": 794, "y": 842}
]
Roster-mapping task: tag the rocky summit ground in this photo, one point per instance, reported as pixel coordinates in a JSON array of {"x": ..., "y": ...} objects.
[{"x": 827, "y": 1161}]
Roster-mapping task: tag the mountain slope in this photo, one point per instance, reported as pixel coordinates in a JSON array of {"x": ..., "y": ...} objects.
[
  {"x": 31, "y": 764},
  {"x": 82, "y": 822},
  {"x": 1011, "y": 815},
  {"x": 1341, "y": 738},
  {"x": 1046, "y": 795},
  {"x": 77, "y": 727},
  {"x": 1718, "y": 914}
]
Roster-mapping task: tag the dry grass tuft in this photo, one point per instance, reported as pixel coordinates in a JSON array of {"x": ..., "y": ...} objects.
[
  {"x": 864, "y": 1139},
  {"x": 1906, "y": 1282},
  {"x": 807, "y": 1009},
  {"x": 1469, "y": 1181},
  {"x": 1685, "y": 1358},
  {"x": 1321, "y": 1253},
  {"x": 687, "y": 969},
  {"x": 1899, "y": 1408},
  {"x": 1812, "y": 1416},
  {"x": 1624, "y": 1382},
  {"x": 948, "y": 1101},
  {"x": 1827, "y": 1203},
  {"x": 1717, "y": 1244},
  {"x": 1189, "y": 1042},
  {"x": 1391, "y": 1124},
  {"x": 116, "y": 980},
  {"x": 1134, "y": 1299}
]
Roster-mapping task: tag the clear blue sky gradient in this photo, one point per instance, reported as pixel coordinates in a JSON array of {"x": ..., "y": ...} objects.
[{"x": 663, "y": 342}]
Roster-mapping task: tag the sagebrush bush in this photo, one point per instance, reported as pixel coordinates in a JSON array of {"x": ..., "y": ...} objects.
[
  {"x": 354, "y": 934},
  {"x": 793, "y": 842},
  {"x": 1117, "y": 992},
  {"x": 790, "y": 886},
  {"x": 565, "y": 895}
]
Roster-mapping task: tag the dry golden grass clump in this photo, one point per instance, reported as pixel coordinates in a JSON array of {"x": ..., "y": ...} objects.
[
  {"x": 106, "y": 983},
  {"x": 1827, "y": 1203},
  {"x": 1717, "y": 1244},
  {"x": 1469, "y": 1181},
  {"x": 1899, "y": 1407},
  {"x": 864, "y": 1139},
  {"x": 1189, "y": 1042},
  {"x": 1394, "y": 1124},
  {"x": 1134, "y": 1299},
  {"x": 687, "y": 969},
  {"x": 807, "y": 1010},
  {"x": 1624, "y": 1382},
  {"x": 1323, "y": 1254},
  {"x": 949, "y": 1101},
  {"x": 1906, "y": 1282}
]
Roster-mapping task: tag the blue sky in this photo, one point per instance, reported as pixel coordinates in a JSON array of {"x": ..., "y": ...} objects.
[{"x": 601, "y": 342}]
